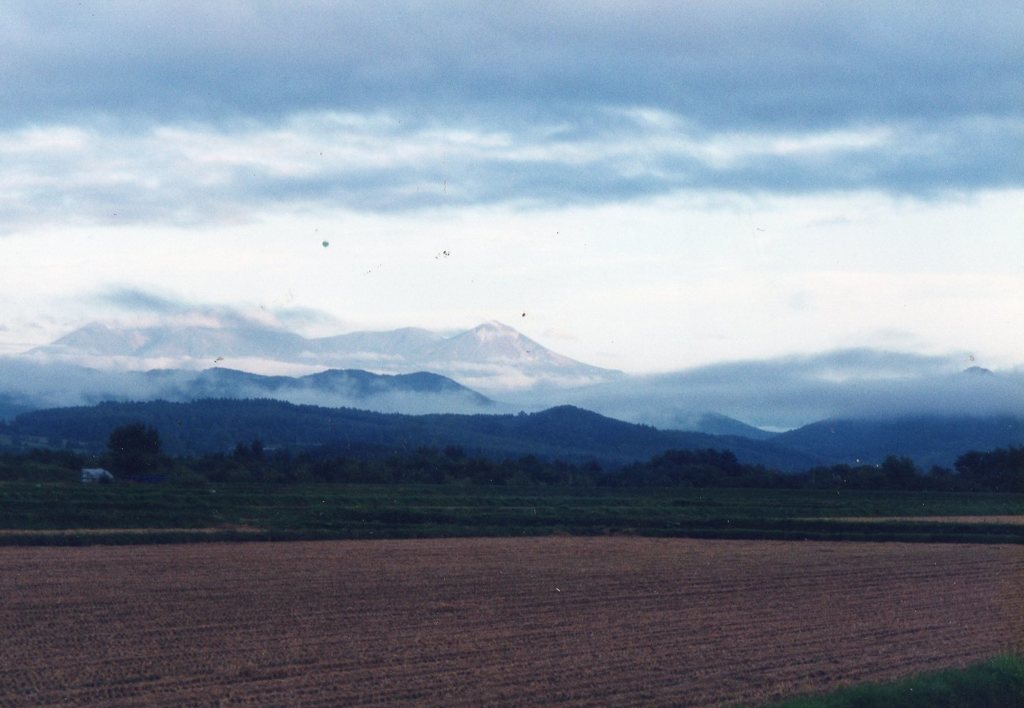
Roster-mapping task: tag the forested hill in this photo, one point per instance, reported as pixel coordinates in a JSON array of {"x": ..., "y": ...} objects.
[
  {"x": 928, "y": 440},
  {"x": 217, "y": 425}
]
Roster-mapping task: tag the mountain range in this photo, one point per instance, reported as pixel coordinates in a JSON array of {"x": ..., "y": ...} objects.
[
  {"x": 32, "y": 385},
  {"x": 846, "y": 406},
  {"x": 566, "y": 433},
  {"x": 333, "y": 387},
  {"x": 502, "y": 364},
  {"x": 928, "y": 440},
  {"x": 491, "y": 357}
]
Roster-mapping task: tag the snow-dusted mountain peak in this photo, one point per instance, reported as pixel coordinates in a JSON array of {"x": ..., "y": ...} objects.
[
  {"x": 493, "y": 329},
  {"x": 492, "y": 357}
]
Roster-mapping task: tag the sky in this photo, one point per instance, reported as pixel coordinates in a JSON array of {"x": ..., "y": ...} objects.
[{"x": 646, "y": 186}]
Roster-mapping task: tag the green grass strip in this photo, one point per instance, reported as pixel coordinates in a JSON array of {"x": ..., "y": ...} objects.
[{"x": 998, "y": 682}]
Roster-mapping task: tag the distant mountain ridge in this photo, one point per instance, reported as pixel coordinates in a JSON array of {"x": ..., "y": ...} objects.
[
  {"x": 718, "y": 424},
  {"x": 563, "y": 432},
  {"x": 875, "y": 403},
  {"x": 491, "y": 356},
  {"x": 337, "y": 387},
  {"x": 928, "y": 440},
  {"x": 28, "y": 385},
  {"x": 788, "y": 392}
]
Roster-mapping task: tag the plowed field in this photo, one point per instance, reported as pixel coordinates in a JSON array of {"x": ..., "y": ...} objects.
[{"x": 493, "y": 621}]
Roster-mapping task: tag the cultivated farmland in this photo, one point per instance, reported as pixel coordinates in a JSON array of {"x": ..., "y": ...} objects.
[{"x": 515, "y": 621}]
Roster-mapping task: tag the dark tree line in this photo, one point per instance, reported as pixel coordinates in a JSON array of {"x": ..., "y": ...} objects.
[
  {"x": 425, "y": 465},
  {"x": 134, "y": 453},
  {"x": 1000, "y": 470}
]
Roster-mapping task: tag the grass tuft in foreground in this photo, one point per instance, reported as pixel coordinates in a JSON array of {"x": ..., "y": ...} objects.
[{"x": 998, "y": 682}]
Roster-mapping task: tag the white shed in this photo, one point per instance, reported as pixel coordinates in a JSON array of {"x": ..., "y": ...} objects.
[{"x": 92, "y": 475}]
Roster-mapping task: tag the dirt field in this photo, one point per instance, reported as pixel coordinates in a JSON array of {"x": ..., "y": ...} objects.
[{"x": 493, "y": 621}]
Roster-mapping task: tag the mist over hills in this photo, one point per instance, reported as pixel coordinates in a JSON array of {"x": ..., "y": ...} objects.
[
  {"x": 927, "y": 440},
  {"x": 789, "y": 392},
  {"x": 839, "y": 407},
  {"x": 772, "y": 394},
  {"x": 29, "y": 385}
]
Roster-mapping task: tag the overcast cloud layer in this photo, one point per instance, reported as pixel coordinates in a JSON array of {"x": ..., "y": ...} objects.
[
  {"x": 196, "y": 173},
  {"x": 801, "y": 66},
  {"x": 192, "y": 111},
  {"x": 138, "y": 139}
]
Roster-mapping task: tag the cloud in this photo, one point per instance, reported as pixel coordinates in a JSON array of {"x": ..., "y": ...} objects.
[
  {"x": 302, "y": 318},
  {"x": 207, "y": 174},
  {"x": 802, "y": 66},
  {"x": 26, "y": 384},
  {"x": 133, "y": 299},
  {"x": 792, "y": 391},
  {"x": 197, "y": 112},
  {"x": 148, "y": 308}
]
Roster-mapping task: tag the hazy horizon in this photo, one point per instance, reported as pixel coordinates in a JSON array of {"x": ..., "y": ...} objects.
[{"x": 777, "y": 393}]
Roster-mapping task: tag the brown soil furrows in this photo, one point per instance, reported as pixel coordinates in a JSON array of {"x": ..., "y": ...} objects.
[{"x": 494, "y": 621}]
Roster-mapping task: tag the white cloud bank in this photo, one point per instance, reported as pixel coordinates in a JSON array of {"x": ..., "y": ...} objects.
[
  {"x": 196, "y": 174},
  {"x": 788, "y": 392}
]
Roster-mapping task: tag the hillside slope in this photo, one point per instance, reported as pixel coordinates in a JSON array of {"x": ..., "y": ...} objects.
[
  {"x": 216, "y": 425},
  {"x": 928, "y": 440}
]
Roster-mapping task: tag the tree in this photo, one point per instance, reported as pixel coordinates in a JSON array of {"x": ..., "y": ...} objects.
[
  {"x": 900, "y": 472},
  {"x": 999, "y": 470},
  {"x": 253, "y": 451},
  {"x": 134, "y": 450}
]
